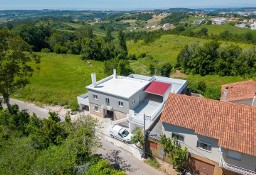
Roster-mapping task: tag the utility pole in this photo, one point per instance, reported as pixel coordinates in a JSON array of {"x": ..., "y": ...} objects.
[{"x": 144, "y": 129}]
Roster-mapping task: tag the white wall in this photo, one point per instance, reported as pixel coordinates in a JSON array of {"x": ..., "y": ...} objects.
[{"x": 190, "y": 141}]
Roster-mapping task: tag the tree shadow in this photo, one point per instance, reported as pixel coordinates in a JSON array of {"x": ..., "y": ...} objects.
[{"x": 117, "y": 161}]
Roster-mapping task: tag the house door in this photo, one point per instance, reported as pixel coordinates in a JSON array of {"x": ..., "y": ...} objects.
[
  {"x": 200, "y": 167},
  {"x": 110, "y": 114}
]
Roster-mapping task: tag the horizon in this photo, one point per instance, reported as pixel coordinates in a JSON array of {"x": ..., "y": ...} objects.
[{"x": 123, "y": 5}]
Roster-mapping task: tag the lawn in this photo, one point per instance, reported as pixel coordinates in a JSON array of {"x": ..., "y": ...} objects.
[{"x": 60, "y": 80}]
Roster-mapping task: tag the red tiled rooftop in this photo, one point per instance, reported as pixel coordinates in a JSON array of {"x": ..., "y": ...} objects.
[
  {"x": 233, "y": 125},
  {"x": 158, "y": 88},
  {"x": 238, "y": 91}
]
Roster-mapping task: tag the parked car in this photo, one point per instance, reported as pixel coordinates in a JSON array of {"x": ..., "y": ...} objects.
[{"x": 120, "y": 133}]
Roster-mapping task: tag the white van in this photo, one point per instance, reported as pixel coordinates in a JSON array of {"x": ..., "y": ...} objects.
[{"x": 120, "y": 133}]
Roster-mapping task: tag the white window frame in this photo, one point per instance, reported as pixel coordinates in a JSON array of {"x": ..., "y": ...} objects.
[
  {"x": 95, "y": 97},
  {"x": 180, "y": 135},
  {"x": 208, "y": 144},
  {"x": 120, "y": 104},
  {"x": 133, "y": 102},
  {"x": 96, "y": 110}
]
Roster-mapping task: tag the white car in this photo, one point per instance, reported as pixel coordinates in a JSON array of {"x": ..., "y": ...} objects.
[{"x": 120, "y": 133}]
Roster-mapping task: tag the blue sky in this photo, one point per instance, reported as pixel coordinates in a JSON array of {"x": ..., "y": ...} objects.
[{"x": 121, "y": 4}]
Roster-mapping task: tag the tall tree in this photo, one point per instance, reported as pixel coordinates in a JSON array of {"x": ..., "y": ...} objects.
[
  {"x": 108, "y": 38},
  {"x": 15, "y": 65},
  {"x": 122, "y": 41}
]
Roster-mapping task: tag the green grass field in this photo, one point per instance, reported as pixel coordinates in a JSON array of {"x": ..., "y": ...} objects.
[
  {"x": 167, "y": 48},
  {"x": 63, "y": 77},
  {"x": 60, "y": 80},
  {"x": 217, "y": 29}
]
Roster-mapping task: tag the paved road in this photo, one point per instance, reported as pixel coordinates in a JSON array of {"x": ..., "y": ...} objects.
[
  {"x": 31, "y": 108},
  {"x": 124, "y": 160},
  {"x": 119, "y": 157}
]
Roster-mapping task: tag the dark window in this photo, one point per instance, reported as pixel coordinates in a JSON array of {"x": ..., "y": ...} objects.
[
  {"x": 107, "y": 101},
  {"x": 178, "y": 137},
  {"x": 204, "y": 145},
  {"x": 95, "y": 97},
  {"x": 121, "y": 104}
]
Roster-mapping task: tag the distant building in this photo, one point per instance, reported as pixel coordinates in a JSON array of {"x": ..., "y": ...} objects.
[
  {"x": 253, "y": 26},
  {"x": 167, "y": 26},
  {"x": 240, "y": 92},
  {"x": 219, "y": 21},
  {"x": 252, "y": 20},
  {"x": 241, "y": 25},
  {"x": 198, "y": 22}
]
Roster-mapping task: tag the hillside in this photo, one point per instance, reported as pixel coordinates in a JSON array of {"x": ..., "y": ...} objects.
[{"x": 60, "y": 79}]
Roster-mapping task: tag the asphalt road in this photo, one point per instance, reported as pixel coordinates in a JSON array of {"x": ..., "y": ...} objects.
[
  {"x": 124, "y": 160},
  {"x": 31, "y": 108},
  {"x": 120, "y": 158}
]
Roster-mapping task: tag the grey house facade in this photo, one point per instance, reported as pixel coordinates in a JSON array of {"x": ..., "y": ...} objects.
[{"x": 129, "y": 98}]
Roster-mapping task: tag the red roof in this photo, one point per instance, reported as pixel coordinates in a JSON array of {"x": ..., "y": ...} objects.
[
  {"x": 158, "y": 88},
  {"x": 233, "y": 125}
]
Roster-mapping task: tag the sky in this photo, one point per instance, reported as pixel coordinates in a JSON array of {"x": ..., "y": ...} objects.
[{"x": 121, "y": 4}]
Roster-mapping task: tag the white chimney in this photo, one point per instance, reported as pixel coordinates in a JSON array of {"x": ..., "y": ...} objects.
[
  {"x": 225, "y": 94},
  {"x": 114, "y": 73},
  {"x": 93, "y": 79}
]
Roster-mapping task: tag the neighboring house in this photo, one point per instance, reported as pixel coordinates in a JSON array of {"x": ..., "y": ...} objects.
[
  {"x": 240, "y": 92},
  {"x": 133, "y": 98},
  {"x": 253, "y": 26},
  {"x": 167, "y": 26},
  {"x": 219, "y": 21},
  {"x": 241, "y": 25},
  {"x": 220, "y": 136},
  {"x": 198, "y": 22},
  {"x": 252, "y": 20}
]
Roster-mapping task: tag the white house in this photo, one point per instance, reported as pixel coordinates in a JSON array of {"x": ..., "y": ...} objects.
[{"x": 131, "y": 98}]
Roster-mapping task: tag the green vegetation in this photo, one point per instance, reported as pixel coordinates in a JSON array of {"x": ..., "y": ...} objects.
[
  {"x": 30, "y": 145},
  {"x": 138, "y": 138},
  {"x": 210, "y": 58},
  {"x": 173, "y": 149},
  {"x": 15, "y": 65},
  {"x": 60, "y": 80},
  {"x": 152, "y": 162}
]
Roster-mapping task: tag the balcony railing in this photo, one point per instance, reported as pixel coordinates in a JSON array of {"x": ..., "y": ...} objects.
[
  {"x": 139, "y": 118},
  {"x": 235, "y": 168}
]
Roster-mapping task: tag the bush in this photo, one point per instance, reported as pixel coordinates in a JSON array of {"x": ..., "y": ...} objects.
[
  {"x": 45, "y": 50},
  {"x": 153, "y": 162},
  {"x": 138, "y": 138}
]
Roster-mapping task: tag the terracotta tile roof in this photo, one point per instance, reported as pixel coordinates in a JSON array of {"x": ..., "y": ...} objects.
[
  {"x": 238, "y": 91},
  {"x": 158, "y": 88},
  {"x": 233, "y": 125}
]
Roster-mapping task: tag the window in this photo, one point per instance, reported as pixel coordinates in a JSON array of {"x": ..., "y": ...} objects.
[
  {"x": 234, "y": 155},
  {"x": 107, "y": 101},
  {"x": 121, "y": 104},
  {"x": 178, "y": 137},
  {"x": 96, "y": 108},
  {"x": 133, "y": 102},
  {"x": 95, "y": 97},
  {"x": 204, "y": 145}
]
